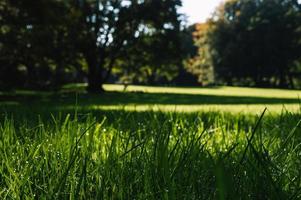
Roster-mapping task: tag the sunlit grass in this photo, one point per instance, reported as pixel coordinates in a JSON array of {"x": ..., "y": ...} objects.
[
  {"x": 220, "y": 91},
  {"x": 253, "y": 100},
  {"x": 240, "y": 109},
  {"x": 166, "y": 99}
]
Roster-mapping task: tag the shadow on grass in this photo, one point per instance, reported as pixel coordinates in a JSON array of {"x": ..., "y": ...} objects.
[
  {"x": 36, "y": 105},
  {"x": 114, "y": 98},
  {"x": 133, "y": 98}
]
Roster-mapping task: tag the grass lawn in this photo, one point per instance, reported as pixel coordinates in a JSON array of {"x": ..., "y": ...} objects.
[
  {"x": 191, "y": 99},
  {"x": 136, "y": 144},
  {"x": 144, "y": 98}
]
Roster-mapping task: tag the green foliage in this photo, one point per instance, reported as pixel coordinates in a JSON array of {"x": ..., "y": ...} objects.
[
  {"x": 155, "y": 58},
  {"x": 200, "y": 63},
  {"x": 35, "y": 44},
  {"x": 48, "y": 43},
  {"x": 252, "y": 42}
]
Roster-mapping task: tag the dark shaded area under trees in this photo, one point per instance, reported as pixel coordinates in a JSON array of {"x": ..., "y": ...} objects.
[{"x": 47, "y": 43}]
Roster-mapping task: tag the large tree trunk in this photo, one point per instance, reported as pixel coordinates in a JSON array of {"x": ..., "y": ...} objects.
[
  {"x": 95, "y": 86},
  {"x": 95, "y": 66},
  {"x": 95, "y": 79}
]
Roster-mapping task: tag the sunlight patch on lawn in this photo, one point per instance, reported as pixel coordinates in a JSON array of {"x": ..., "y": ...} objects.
[
  {"x": 241, "y": 108},
  {"x": 221, "y": 91}
]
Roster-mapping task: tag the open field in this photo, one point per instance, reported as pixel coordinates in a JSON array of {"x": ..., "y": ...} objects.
[
  {"x": 68, "y": 146},
  {"x": 230, "y": 99},
  {"x": 143, "y": 98}
]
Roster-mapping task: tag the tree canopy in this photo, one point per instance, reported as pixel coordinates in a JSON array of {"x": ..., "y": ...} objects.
[
  {"x": 47, "y": 43},
  {"x": 251, "y": 42},
  {"x": 43, "y": 41}
]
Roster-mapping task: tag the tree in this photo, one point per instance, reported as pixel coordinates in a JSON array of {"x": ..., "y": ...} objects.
[
  {"x": 189, "y": 50},
  {"x": 105, "y": 28},
  {"x": 254, "y": 42},
  {"x": 154, "y": 57},
  {"x": 44, "y": 40},
  {"x": 199, "y": 62},
  {"x": 35, "y": 43}
]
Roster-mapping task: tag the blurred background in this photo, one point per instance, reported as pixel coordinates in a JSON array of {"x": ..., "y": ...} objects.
[{"x": 47, "y": 44}]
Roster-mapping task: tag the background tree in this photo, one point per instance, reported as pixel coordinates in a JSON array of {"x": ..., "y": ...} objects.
[
  {"x": 105, "y": 28},
  {"x": 199, "y": 63},
  {"x": 35, "y": 43},
  {"x": 253, "y": 42},
  {"x": 47, "y": 43},
  {"x": 189, "y": 50},
  {"x": 155, "y": 57}
]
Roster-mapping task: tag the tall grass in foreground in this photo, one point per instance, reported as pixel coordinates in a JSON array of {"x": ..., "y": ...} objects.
[{"x": 151, "y": 155}]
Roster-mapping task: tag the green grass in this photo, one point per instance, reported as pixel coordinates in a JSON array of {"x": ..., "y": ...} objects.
[
  {"x": 143, "y": 98},
  {"x": 67, "y": 146},
  {"x": 151, "y": 155}
]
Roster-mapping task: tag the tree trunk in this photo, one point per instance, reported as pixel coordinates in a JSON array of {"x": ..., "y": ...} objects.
[
  {"x": 95, "y": 79},
  {"x": 95, "y": 83}
]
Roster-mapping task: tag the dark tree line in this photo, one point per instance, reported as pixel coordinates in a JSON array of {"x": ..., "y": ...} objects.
[
  {"x": 251, "y": 42},
  {"x": 46, "y": 43}
]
